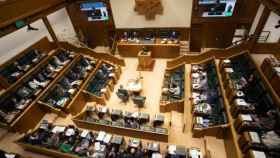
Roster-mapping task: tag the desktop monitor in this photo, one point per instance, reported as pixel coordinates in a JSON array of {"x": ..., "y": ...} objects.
[{"x": 95, "y": 11}]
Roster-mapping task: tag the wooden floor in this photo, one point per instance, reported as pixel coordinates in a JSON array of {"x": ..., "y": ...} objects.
[{"x": 152, "y": 83}]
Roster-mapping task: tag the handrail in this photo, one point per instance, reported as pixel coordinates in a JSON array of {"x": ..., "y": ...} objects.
[
  {"x": 217, "y": 53},
  {"x": 114, "y": 45},
  {"x": 91, "y": 52}
]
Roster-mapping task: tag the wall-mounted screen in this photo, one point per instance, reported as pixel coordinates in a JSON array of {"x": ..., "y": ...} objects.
[
  {"x": 95, "y": 11},
  {"x": 217, "y": 8}
]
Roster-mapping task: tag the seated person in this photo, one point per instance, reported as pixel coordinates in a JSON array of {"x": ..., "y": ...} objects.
[
  {"x": 100, "y": 75},
  {"x": 24, "y": 92},
  {"x": 271, "y": 140},
  {"x": 270, "y": 121},
  {"x": 65, "y": 83},
  {"x": 106, "y": 68},
  {"x": 58, "y": 96},
  {"x": 72, "y": 76},
  {"x": 49, "y": 69},
  {"x": 57, "y": 61},
  {"x": 174, "y": 90},
  {"x": 41, "y": 78},
  {"x": 34, "y": 84},
  {"x": 85, "y": 62},
  {"x": 63, "y": 55},
  {"x": 203, "y": 83}
]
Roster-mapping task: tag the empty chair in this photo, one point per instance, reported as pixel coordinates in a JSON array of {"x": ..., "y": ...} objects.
[
  {"x": 159, "y": 120},
  {"x": 123, "y": 94},
  {"x": 139, "y": 100}
]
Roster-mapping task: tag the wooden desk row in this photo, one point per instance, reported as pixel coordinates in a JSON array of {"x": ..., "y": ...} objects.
[
  {"x": 137, "y": 133},
  {"x": 166, "y": 104},
  {"x": 43, "y": 47},
  {"x": 271, "y": 69},
  {"x": 217, "y": 130},
  {"x": 234, "y": 140},
  {"x": 36, "y": 109},
  {"x": 80, "y": 97},
  {"x": 158, "y": 50},
  {"x": 67, "y": 105},
  {"x": 107, "y": 90},
  {"x": 124, "y": 144},
  {"x": 31, "y": 114}
]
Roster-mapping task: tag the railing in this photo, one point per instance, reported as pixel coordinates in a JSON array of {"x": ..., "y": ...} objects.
[
  {"x": 91, "y": 52},
  {"x": 217, "y": 53},
  {"x": 114, "y": 45}
]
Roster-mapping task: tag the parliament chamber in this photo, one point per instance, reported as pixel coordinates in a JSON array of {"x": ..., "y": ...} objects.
[{"x": 139, "y": 79}]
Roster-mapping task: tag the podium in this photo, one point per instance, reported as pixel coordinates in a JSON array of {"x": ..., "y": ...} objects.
[{"x": 145, "y": 61}]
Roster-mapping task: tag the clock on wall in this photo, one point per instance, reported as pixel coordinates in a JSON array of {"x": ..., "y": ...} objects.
[{"x": 148, "y": 8}]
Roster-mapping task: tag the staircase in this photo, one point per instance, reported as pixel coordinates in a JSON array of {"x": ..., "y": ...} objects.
[{"x": 184, "y": 47}]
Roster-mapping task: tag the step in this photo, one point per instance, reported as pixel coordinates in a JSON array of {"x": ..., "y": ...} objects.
[{"x": 184, "y": 42}]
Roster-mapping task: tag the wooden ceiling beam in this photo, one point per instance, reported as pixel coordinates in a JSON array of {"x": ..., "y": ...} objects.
[
  {"x": 21, "y": 9},
  {"x": 30, "y": 19},
  {"x": 273, "y": 5}
]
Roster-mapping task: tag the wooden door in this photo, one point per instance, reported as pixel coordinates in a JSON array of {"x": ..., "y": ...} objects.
[{"x": 217, "y": 34}]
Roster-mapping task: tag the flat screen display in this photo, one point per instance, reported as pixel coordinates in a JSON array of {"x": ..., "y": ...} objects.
[
  {"x": 218, "y": 8},
  {"x": 95, "y": 11}
]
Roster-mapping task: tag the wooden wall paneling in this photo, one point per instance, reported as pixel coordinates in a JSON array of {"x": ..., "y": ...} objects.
[
  {"x": 96, "y": 33},
  {"x": 158, "y": 50},
  {"x": 266, "y": 48},
  {"x": 196, "y": 37},
  {"x": 29, "y": 119},
  {"x": 217, "y": 35},
  {"x": 216, "y": 32}
]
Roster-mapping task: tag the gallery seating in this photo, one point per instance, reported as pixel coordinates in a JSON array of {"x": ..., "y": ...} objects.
[
  {"x": 102, "y": 82},
  {"x": 253, "y": 107},
  {"x": 18, "y": 98},
  {"x": 100, "y": 79},
  {"x": 244, "y": 78},
  {"x": 271, "y": 69},
  {"x": 67, "y": 86},
  {"x": 173, "y": 90},
  {"x": 14, "y": 71},
  {"x": 207, "y": 100}
]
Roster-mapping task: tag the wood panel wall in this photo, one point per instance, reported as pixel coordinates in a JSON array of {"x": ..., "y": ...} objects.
[
  {"x": 94, "y": 33},
  {"x": 217, "y": 32}
]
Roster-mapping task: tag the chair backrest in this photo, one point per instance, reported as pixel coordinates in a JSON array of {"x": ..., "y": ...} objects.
[{"x": 139, "y": 100}]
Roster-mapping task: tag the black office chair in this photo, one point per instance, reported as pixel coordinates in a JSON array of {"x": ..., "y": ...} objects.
[
  {"x": 123, "y": 94},
  {"x": 139, "y": 100}
]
